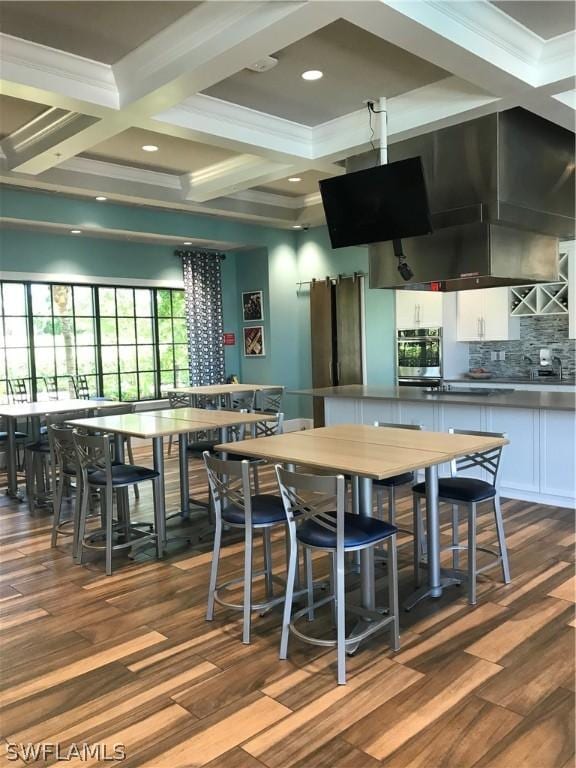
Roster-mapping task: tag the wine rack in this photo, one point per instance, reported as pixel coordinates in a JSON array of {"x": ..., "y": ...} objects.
[{"x": 543, "y": 299}]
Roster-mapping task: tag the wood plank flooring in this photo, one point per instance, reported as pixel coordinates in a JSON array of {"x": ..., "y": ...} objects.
[{"x": 130, "y": 659}]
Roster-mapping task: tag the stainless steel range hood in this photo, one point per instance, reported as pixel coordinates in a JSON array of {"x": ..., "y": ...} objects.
[{"x": 501, "y": 192}]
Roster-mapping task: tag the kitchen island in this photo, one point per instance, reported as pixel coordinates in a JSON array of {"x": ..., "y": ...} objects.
[{"x": 538, "y": 465}]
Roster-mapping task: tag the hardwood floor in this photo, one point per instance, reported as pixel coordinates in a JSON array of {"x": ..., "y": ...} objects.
[{"x": 130, "y": 659}]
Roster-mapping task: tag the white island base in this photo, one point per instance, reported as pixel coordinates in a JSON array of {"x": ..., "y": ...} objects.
[{"x": 539, "y": 464}]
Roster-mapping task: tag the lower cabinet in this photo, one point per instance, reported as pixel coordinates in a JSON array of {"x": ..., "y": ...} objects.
[{"x": 539, "y": 463}]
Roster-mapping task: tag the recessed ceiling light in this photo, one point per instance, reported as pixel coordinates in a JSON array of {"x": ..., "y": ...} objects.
[
  {"x": 150, "y": 148},
  {"x": 294, "y": 179},
  {"x": 75, "y": 231},
  {"x": 296, "y": 226},
  {"x": 187, "y": 242},
  {"x": 101, "y": 198},
  {"x": 312, "y": 74}
]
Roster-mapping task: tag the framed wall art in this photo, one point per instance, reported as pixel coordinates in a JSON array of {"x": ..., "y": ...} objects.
[
  {"x": 252, "y": 306},
  {"x": 254, "y": 341}
]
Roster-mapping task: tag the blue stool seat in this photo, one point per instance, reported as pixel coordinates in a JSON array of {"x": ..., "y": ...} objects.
[
  {"x": 123, "y": 474},
  {"x": 266, "y": 509},
  {"x": 40, "y": 446},
  {"x": 358, "y": 531},
  {"x": 17, "y": 435},
  {"x": 404, "y": 479},
  {"x": 238, "y": 457},
  {"x": 202, "y": 445},
  {"x": 468, "y": 489}
]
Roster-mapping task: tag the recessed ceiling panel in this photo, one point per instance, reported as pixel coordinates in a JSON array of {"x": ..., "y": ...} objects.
[
  {"x": 548, "y": 18},
  {"x": 308, "y": 185},
  {"x": 103, "y": 31},
  {"x": 174, "y": 155},
  {"x": 356, "y": 66},
  {"x": 15, "y": 113}
]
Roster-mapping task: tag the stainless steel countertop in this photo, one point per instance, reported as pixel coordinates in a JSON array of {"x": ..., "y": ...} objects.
[{"x": 550, "y": 401}]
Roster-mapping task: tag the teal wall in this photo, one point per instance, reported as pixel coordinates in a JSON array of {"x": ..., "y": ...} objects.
[{"x": 271, "y": 260}]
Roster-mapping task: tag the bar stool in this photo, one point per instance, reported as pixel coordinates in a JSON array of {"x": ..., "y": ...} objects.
[
  {"x": 65, "y": 472},
  {"x": 315, "y": 511},
  {"x": 267, "y": 428},
  {"x": 236, "y": 507},
  {"x": 20, "y": 438},
  {"x": 468, "y": 492},
  {"x": 390, "y": 484},
  {"x": 177, "y": 400},
  {"x": 51, "y": 387},
  {"x": 99, "y": 473},
  {"x": 81, "y": 388},
  {"x": 38, "y": 460},
  {"x": 119, "y": 410},
  {"x": 242, "y": 401},
  {"x": 269, "y": 400}
]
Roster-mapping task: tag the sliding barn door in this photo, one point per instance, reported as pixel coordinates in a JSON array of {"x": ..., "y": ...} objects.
[
  {"x": 348, "y": 293},
  {"x": 322, "y": 327}
]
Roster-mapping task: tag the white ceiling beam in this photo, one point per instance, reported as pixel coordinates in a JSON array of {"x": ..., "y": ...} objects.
[
  {"x": 210, "y": 43},
  {"x": 231, "y": 176},
  {"x": 483, "y": 45},
  {"x": 56, "y": 78}
]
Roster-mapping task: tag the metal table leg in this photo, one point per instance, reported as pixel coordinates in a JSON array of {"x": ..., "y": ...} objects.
[
  {"x": 12, "y": 489},
  {"x": 435, "y": 580},
  {"x": 158, "y": 452},
  {"x": 366, "y": 555},
  {"x": 184, "y": 478}
]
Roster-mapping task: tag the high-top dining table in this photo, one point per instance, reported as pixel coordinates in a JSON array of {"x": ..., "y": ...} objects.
[
  {"x": 158, "y": 424},
  {"x": 375, "y": 453},
  {"x": 35, "y": 411}
]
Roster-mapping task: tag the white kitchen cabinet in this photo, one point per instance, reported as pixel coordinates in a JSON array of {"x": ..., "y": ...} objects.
[
  {"x": 418, "y": 309},
  {"x": 483, "y": 315}
]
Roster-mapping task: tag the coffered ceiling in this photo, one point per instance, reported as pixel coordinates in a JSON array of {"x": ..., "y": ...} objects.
[{"x": 87, "y": 84}]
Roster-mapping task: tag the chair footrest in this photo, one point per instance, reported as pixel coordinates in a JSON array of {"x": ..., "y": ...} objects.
[
  {"x": 97, "y": 539},
  {"x": 375, "y": 623}
]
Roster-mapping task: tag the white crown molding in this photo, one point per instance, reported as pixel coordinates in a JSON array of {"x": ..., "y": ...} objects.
[
  {"x": 56, "y": 277},
  {"x": 280, "y": 201},
  {"x": 47, "y": 69},
  {"x": 242, "y": 125},
  {"x": 121, "y": 172},
  {"x": 343, "y": 136},
  {"x": 568, "y": 98},
  {"x": 558, "y": 60}
]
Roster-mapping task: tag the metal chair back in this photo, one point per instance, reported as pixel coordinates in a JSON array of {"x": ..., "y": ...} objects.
[
  {"x": 229, "y": 483},
  {"x": 270, "y": 400},
  {"x": 242, "y": 401},
  {"x": 81, "y": 388},
  {"x": 62, "y": 449},
  {"x": 93, "y": 452},
  {"x": 274, "y": 425},
  {"x": 308, "y": 496},
  {"x": 18, "y": 391},
  {"x": 51, "y": 387},
  {"x": 489, "y": 460},
  {"x": 179, "y": 400}
]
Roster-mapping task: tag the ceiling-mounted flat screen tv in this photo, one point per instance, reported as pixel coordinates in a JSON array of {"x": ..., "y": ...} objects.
[{"x": 387, "y": 202}]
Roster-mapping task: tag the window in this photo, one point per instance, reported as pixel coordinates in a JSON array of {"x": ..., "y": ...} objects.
[
  {"x": 172, "y": 338},
  {"x": 64, "y": 336},
  {"x": 15, "y": 361},
  {"x": 129, "y": 342}
]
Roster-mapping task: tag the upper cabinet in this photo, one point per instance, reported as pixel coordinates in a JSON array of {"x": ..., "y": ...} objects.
[
  {"x": 484, "y": 315},
  {"x": 418, "y": 309}
]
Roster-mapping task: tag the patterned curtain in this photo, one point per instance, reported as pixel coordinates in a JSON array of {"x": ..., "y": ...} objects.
[{"x": 203, "y": 294}]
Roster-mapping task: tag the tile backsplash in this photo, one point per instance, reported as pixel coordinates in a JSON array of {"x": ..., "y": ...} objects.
[{"x": 535, "y": 333}]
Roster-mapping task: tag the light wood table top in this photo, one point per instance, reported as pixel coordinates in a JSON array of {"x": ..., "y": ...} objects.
[
  {"x": 211, "y": 417},
  {"x": 359, "y": 456},
  {"x": 442, "y": 442},
  {"x": 141, "y": 425},
  {"x": 39, "y": 408},
  {"x": 223, "y": 389}
]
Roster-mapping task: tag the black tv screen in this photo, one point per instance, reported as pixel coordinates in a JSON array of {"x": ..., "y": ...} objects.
[{"x": 387, "y": 202}]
